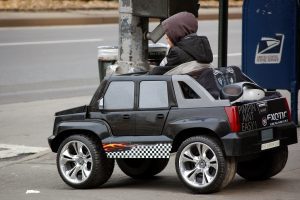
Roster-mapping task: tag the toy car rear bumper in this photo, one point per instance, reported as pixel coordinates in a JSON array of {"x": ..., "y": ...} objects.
[{"x": 252, "y": 142}]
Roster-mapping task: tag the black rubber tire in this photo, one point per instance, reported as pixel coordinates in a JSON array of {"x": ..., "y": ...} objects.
[
  {"x": 231, "y": 171},
  {"x": 266, "y": 165},
  {"x": 142, "y": 168},
  {"x": 219, "y": 180},
  {"x": 102, "y": 168}
]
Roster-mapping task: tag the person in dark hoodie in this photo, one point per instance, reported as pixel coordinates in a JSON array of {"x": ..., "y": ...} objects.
[{"x": 185, "y": 44}]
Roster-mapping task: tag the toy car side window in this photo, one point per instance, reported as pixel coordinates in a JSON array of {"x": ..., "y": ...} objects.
[
  {"x": 119, "y": 95},
  {"x": 153, "y": 94},
  {"x": 187, "y": 91}
]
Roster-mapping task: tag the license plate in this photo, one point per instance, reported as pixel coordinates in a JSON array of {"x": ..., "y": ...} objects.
[{"x": 270, "y": 145}]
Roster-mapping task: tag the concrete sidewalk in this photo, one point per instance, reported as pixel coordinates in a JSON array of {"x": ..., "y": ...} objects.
[
  {"x": 31, "y": 123},
  {"x": 81, "y": 17}
]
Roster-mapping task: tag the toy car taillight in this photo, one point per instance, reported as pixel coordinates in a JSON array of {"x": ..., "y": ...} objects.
[
  {"x": 233, "y": 118},
  {"x": 288, "y": 110}
]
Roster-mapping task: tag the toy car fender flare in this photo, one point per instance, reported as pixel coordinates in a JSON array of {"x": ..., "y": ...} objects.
[{"x": 99, "y": 128}]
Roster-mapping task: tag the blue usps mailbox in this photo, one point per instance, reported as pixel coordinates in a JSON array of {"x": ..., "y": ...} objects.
[{"x": 270, "y": 52}]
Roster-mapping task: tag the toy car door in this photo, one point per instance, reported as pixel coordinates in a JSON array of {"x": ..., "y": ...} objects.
[
  {"x": 119, "y": 107},
  {"x": 153, "y": 107}
]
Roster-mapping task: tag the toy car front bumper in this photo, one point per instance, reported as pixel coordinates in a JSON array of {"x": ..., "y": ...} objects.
[
  {"x": 252, "y": 142},
  {"x": 50, "y": 142}
]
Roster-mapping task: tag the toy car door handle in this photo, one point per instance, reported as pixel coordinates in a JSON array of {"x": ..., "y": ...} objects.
[
  {"x": 160, "y": 116},
  {"x": 126, "y": 116}
]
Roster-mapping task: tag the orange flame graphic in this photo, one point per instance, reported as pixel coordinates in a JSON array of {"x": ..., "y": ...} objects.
[{"x": 114, "y": 147}]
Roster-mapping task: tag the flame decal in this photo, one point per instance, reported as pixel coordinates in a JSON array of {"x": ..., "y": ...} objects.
[{"x": 114, "y": 147}]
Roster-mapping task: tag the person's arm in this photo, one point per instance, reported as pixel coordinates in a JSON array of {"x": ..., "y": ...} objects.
[
  {"x": 160, "y": 70},
  {"x": 173, "y": 58}
]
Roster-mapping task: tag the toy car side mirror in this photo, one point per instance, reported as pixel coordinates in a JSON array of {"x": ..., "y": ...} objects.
[{"x": 101, "y": 104}]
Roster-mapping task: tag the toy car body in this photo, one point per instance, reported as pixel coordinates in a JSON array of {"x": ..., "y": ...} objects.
[{"x": 141, "y": 120}]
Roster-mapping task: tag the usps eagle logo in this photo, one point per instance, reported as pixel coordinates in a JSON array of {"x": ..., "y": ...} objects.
[{"x": 269, "y": 50}]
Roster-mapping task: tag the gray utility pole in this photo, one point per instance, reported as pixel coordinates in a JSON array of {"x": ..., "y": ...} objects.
[{"x": 133, "y": 46}]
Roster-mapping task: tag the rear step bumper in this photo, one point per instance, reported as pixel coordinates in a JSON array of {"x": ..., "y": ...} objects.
[{"x": 252, "y": 142}]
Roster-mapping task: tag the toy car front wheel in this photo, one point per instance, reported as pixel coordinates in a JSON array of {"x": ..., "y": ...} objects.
[
  {"x": 201, "y": 164},
  {"x": 82, "y": 163}
]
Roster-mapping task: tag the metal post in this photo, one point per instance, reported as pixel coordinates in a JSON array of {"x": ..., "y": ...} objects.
[
  {"x": 133, "y": 47},
  {"x": 294, "y": 101},
  {"x": 295, "y": 84},
  {"x": 223, "y": 33}
]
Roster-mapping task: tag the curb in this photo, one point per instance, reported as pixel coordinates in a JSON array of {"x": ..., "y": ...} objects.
[
  {"x": 58, "y": 21},
  {"x": 86, "y": 20},
  {"x": 27, "y": 158},
  {"x": 216, "y": 16}
]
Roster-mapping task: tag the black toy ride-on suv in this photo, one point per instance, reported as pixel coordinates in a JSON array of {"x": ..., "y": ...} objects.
[{"x": 138, "y": 121}]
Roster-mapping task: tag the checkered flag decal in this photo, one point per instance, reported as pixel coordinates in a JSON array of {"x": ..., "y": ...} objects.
[{"x": 143, "y": 151}]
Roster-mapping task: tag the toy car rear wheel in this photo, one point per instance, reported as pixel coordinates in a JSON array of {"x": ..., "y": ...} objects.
[
  {"x": 141, "y": 168},
  {"x": 231, "y": 171},
  {"x": 201, "y": 165},
  {"x": 82, "y": 163},
  {"x": 266, "y": 165}
]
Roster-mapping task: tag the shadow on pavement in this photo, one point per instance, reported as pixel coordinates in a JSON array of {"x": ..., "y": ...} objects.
[{"x": 160, "y": 183}]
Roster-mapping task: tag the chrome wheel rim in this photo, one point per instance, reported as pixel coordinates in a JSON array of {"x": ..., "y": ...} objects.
[
  {"x": 75, "y": 162},
  {"x": 198, "y": 164}
]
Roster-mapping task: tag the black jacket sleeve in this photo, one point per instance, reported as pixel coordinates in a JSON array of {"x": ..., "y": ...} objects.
[
  {"x": 177, "y": 56},
  {"x": 160, "y": 70},
  {"x": 173, "y": 57}
]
